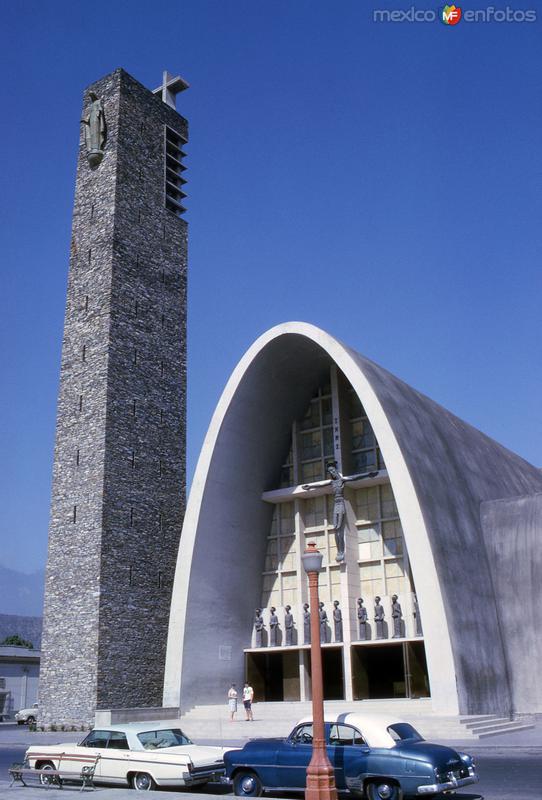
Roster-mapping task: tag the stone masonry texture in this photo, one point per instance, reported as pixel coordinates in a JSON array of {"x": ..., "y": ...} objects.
[{"x": 119, "y": 467}]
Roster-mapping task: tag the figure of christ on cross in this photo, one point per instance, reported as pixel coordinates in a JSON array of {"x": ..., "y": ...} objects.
[{"x": 337, "y": 482}]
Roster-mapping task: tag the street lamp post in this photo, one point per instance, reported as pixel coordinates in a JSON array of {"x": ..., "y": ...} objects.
[{"x": 320, "y": 775}]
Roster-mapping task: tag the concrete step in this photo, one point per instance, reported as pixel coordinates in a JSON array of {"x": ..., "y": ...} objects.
[
  {"x": 512, "y": 727},
  {"x": 479, "y": 717},
  {"x": 278, "y": 719},
  {"x": 480, "y": 722}
]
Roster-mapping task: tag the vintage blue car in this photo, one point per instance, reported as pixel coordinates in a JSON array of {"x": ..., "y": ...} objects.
[{"x": 374, "y": 756}]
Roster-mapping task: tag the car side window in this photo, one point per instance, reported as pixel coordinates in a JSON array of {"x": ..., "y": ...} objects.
[
  {"x": 118, "y": 741},
  {"x": 359, "y": 741},
  {"x": 400, "y": 731},
  {"x": 344, "y": 736},
  {"x": 96, "y": 739},
  {"x": 303, "y": 735}
]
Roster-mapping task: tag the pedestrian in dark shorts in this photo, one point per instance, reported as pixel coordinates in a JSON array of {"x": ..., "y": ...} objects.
[{"x": 248, "y": 696}]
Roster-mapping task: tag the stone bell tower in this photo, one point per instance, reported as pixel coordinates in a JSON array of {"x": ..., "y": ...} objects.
[{"x": 119, "y": 467}]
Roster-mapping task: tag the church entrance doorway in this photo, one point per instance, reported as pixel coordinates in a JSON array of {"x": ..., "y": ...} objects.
[
  {"x": 382, "y": 671},
  {"x": 274, "y": 676},
  {"x": 332, "y": 670}
]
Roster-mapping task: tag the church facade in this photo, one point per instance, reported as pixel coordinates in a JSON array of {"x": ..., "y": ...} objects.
[{"x": 416, "y": 606}]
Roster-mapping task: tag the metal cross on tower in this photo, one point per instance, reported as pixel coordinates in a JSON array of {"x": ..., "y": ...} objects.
[{"x": 170, "y": 88}]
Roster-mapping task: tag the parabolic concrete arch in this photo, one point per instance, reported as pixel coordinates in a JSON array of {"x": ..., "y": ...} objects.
[{"x": 440, "y": 469}]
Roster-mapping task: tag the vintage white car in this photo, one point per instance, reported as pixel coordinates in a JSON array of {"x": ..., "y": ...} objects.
[
  {"x": 25, "y": 716},
  {"x": 142, "y": 755}
]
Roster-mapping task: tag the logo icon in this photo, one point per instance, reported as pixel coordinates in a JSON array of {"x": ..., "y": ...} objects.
[{"x": 450, "y": 15}]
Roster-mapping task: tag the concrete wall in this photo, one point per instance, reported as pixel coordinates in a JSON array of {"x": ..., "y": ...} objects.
[
  {"x": 453, "y": 468},
  {"x": 513, "y": 535},
  {"x": 440, "y": 469}
]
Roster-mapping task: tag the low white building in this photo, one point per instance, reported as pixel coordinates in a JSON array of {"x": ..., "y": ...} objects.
[{"x": 19, "y": 676}]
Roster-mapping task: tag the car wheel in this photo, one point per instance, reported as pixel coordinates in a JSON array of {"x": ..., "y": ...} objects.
[
  {"x": 383, "y": 790},
  {"x": 30, "y": 720},
  {"x": 48, "y": 780},
  {"x": 143, "y": 782},
  {"x": 247, "y": 784}
]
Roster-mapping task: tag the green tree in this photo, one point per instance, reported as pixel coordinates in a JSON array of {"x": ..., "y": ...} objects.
[{"x": 17, "y": 641}]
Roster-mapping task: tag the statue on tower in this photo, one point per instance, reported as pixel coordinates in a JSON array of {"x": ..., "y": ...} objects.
[
  {"x": 95, "y": 131},
  {"x": 337, "y": 482}
]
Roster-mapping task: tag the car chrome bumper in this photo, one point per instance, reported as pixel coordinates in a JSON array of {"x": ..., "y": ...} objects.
[
  {"x": 202, "y": 776},
  {"x": 450, "y": 785}
]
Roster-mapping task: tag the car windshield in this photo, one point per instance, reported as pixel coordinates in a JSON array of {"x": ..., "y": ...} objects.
[
  {"x": 401, "y": 731},
  {"x": 170, "y": 737}
]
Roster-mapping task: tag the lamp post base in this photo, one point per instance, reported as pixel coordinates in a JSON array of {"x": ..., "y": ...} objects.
[{"x": 320, "y": 782}]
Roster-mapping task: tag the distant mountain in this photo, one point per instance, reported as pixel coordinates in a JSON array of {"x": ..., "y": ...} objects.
[
  {"x": 28, "y": 628},
  {"x": 21, "y": 593}
]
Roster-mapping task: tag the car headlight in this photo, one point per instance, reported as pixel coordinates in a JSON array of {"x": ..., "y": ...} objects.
[{"x": 466, "y": 759}]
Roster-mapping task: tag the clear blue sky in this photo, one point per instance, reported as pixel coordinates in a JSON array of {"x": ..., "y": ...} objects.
[{"x": 382, "y": 181}]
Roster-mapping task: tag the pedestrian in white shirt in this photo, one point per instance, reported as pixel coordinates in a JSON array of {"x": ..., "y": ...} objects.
[{"x": 248, "y": 696}]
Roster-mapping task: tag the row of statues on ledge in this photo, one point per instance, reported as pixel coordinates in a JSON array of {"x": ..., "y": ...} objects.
[{"x": 365, "y": 632}]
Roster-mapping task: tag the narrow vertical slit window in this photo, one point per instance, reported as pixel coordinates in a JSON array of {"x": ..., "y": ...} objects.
[
  {"x": 84, "y": 353},
  {"x": 161, "y": 415},
  {"x": 75, "y": 514},
  {"x": 131, "y": 518},
  {"x": 135, "y": 356},
  {"x": 80, "y": 402},
  {"x": 77, "y": 457},
  {"x": 90, "y": 255},
  {"x": 92, "y": 211},
  {"x": 86, "y": 302},
  {"x": 163, "y": 319}
]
